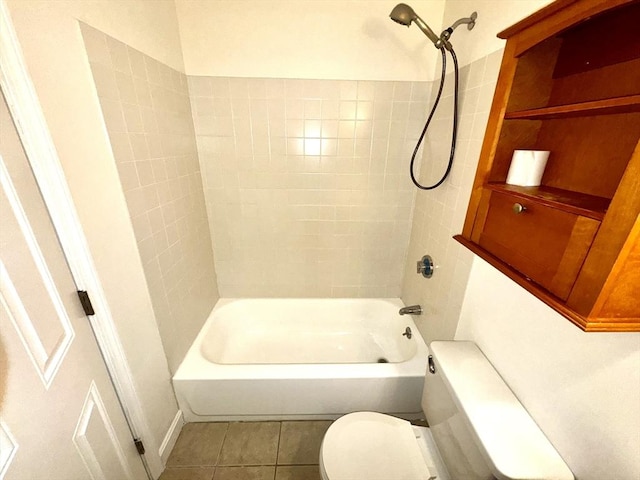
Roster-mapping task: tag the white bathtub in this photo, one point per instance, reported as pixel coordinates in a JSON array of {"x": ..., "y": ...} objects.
[{"x": 302, "y": 359}]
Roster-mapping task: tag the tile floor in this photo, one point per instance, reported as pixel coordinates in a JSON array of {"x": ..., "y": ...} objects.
[{"x": 285, "y": 450}]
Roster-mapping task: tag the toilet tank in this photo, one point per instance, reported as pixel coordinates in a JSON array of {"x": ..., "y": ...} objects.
[{"x": 480, "y": 428}]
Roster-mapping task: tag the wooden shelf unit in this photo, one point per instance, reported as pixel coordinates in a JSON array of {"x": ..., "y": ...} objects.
[{"x": 569, "y": 83}]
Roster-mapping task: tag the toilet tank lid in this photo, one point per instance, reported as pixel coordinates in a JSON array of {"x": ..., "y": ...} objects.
[{"x": 513, "y": 445}]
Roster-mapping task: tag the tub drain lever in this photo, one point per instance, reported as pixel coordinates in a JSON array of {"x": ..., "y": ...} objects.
[{"x": 407, "y": 333}]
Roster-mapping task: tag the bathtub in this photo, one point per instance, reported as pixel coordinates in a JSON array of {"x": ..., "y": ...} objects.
[{"x": 277, "y": 359}]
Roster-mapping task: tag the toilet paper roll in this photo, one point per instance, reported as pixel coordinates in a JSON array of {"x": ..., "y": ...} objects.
[{"x": 527, "y": 167}]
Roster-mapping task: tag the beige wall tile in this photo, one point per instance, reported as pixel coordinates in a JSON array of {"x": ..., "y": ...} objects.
[
  {"x": 439, "y": 214},
  {"x": 279, "y": 157},
  {"x": 151, "y": 131}
]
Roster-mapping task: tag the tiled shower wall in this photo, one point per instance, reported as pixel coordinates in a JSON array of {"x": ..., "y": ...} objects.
[
  {"x": 147, "y": 113},
  {"x": 306, "y": 183},
  {"x": 439, "y": 214}
]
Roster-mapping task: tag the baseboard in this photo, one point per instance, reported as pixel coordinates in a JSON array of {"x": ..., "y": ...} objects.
[{"x": 171, "y": 436}]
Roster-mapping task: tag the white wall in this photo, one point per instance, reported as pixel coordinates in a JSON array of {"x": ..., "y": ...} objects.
[
  {"x": 582, "y": 389},
  {"x": 328, "y": 39},
  {"x": 149, "y": 26},
  {"x": 50, "y": 37}
]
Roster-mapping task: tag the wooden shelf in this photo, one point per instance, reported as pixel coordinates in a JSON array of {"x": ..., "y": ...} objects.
[
  {"x": 572, "y": 202},
  {"x": 584, "y": 323},
  {"x": 578, "y": 247},
  {"x": 608, "y": 106}
]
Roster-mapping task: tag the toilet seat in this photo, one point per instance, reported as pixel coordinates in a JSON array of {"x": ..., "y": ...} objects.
[{"x": 372, "y": 446}]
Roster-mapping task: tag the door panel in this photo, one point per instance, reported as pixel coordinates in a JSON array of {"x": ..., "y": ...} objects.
[
  {"x": 94, "y": 426},
  {"x": 59, "y": 416},
  {"x": 44, "y": 326}
]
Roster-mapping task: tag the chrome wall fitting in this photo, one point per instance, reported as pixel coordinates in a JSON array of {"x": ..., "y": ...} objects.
[
  {"x": 411, "y": 310},
  {"x": 425, "y": 266}
]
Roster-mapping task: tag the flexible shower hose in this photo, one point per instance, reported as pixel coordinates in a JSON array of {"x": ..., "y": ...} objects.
[{"x": 433, "y": 111}]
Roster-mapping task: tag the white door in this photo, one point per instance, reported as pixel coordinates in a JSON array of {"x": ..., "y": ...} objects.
[{"x": 59, "y": 415}]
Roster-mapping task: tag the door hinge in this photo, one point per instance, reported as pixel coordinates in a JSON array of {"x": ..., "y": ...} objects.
[
  {"x": 139, "y": 445},
  {"x": 86, "y": 302}
]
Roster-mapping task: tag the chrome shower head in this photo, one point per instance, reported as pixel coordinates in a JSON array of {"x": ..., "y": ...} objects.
[{"x": 404, "y": 15}]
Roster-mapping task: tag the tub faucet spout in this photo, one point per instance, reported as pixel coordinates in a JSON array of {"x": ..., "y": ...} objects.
[{"x": 411, "y": 310}]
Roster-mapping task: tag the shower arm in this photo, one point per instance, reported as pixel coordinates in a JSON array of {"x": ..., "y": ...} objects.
[
  {"x": 469, "y": 21},
  {"x": 446, "y": 34}
]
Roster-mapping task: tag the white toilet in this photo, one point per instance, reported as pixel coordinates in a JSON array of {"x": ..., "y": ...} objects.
[{"x": 478, "y": 430}]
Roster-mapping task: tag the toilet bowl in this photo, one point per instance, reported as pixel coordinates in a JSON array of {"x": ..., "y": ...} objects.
[
  {"x": 374, "y": 446},
  {"x": 478, "y": 431}
]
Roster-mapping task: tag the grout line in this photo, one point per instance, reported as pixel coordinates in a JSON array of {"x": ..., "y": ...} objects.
[
  {"x": 224, "y": 439},
  {"x": 235, "y": 465},
  {"x": 279, "y": 438}
]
